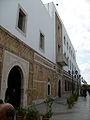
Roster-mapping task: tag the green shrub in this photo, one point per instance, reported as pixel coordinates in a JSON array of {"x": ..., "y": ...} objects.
[
  {"x": 70, "y": 99},
  {"x": 48, "y": 114},
  {"x": 48, "y": 102},
  {"x": 32, "y": 113},
  {"x": 20, "y": 111},
  {"x": 75, "y": 96}
]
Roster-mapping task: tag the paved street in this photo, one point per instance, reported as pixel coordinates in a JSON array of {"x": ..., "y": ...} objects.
[{"x": 80, "y": 111}]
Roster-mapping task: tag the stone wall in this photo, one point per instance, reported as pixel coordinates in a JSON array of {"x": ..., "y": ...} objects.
[
  {"x": 44, "y": 70},
  {"x": 10, "y": 43},
  {"x": 1, "y": 65},
  {"x": 40, "y": 68}
]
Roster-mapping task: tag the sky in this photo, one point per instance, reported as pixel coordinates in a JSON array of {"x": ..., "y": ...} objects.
[{"x": 75, "y": 15}]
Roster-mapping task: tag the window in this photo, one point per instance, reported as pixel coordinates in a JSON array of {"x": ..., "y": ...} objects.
[
  {"x": 59, "y": 32},
  {"x": 65, "y": 85},
  {"x": 64, "y": 40},
  {"x": 68, "y": 86},
  {"x": 69, "y": 49},
  {"x": 41, "y": 41},
  {"x": 65, "y": 54},
  {"x": 70, "y": 64},
  {"x": 68, "y": 60},
  {"x": 71, "y": 52},
  {"x": 21, "y": 21},
  {"x": 73, "y": 57},
  {"x": 49, "y": 88},
  {"x": 58, "y": 49},
  {"x": 67, "y": 45}
]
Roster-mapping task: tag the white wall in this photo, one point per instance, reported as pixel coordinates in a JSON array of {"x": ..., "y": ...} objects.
[
  {"x": 53, "y": 11},
  {"x": 38, "y": 19},
  {"x": 68, "y": 54}
]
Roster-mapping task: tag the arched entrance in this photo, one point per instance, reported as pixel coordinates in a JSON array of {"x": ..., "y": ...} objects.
[
  {"x": 49, "y": 88},
  {"x": 13, "y": 91},
  {"x": 59, "y": 88}
]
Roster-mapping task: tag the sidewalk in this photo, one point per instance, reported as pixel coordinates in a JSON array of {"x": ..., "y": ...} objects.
[
  {"x": 80, "y": 111},
  {"x": 59, "y": 105}
]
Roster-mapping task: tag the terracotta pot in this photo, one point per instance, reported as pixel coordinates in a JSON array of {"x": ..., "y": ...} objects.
[
  {"x": 32, "y": 119},
  {"x": 70, "y": 106},
  {"x": 44, "y": 118},
  {"x": 19, "y": 118}
]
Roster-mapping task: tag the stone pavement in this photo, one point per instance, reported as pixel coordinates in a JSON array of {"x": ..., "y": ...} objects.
[{"x": 80, "y": 111}]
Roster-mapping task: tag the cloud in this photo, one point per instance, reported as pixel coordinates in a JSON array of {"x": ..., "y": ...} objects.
[{"x": 85, "y": 70}]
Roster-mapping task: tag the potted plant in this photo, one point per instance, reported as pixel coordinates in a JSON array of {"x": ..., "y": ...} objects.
[
  {"x": 75, "y": 96},
  {"x": 48, "y": 115},
  {"x": 70, "y": 101},
  {"x": 20, "y": 113},
  {"x": 48, "y": 102},
  {"x": 32, "y": 114},
  {"x": 31, "y": 92}
]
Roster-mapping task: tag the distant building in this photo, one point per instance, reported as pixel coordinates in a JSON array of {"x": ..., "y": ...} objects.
[{"x": 33, "y": 53}]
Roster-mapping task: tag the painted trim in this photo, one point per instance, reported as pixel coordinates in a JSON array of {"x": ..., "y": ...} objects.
[{"x": 17, "y": 18}]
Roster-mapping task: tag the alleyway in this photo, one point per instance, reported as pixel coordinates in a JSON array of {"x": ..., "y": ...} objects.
[{"x": 80, "y": 111}]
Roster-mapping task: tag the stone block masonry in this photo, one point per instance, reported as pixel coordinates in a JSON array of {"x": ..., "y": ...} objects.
[{"x": 39, "y": 71}]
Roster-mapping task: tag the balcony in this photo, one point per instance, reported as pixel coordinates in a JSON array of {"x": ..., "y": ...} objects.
[{"x": 62, "y": 60}]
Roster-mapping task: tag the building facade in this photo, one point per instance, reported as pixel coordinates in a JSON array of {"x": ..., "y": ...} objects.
[
  {"x": 32, "y": 52},
  {"x": 72, "y": 67}
]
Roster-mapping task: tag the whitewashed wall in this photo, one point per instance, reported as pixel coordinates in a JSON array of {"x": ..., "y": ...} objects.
[
  {"x": 38, "y": 19},
  {"x": 53, "y": 11},
  {"x": 68, "y": 54}
]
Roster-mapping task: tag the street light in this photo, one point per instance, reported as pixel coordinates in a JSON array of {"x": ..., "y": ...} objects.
[
  {"x": 78, "y": 84},
  {"x": 78, "y": 81},
  {"x": 76, "y": 72},
  {"x": 73, "y": 73},
  {"x": 72, "y": 81}
]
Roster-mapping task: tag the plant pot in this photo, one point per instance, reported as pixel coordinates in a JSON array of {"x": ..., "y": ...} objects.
[
  {"x": 44, "y": 118},
  {"x": 19, "y": 118},
  {"x": 32, "y": 118},
  {"x": 70, "y": 106}
]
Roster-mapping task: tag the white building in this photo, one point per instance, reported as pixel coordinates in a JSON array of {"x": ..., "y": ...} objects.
[
  {"x": 69, "y": 52},
  {"x": 35, "y": 50},
  {"x": 68, "y": 49},
  {"x": 36, "y": 20}
]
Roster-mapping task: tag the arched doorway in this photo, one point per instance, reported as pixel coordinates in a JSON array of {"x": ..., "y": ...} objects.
[
  {"x": 59, "y": 88},
  {"x": 13, "y": 91},
  {"x": 49, "y": 88}
]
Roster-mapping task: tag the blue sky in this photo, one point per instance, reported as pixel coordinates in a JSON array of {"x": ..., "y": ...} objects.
[{"x": 75, "y": 15}]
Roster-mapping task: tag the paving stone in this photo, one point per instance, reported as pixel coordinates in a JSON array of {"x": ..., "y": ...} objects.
[{"x": 80, "y": 111}]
